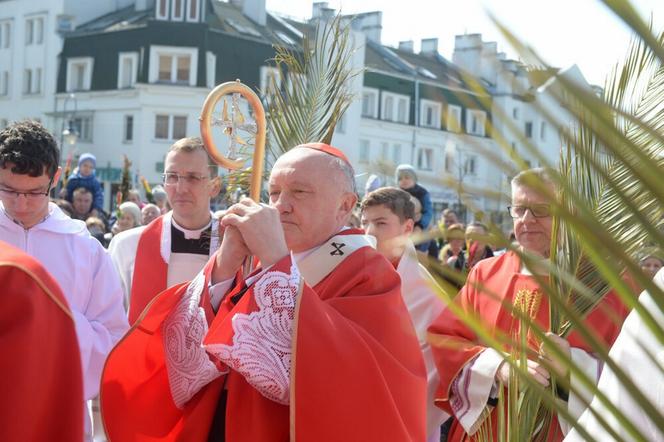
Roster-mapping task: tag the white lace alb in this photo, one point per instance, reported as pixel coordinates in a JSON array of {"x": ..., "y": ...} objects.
[
  {"x": 262, "y": 342},
  {"x": 188, "y": 365}
]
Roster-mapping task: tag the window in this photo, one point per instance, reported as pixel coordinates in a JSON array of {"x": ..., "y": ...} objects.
[
  {"x": 179, "y": 127},
  {"x": 449, "y": 162},
  {"x": 128, "y": 132},
  {"x": 388, "y": 108},
  {"x": 394, "y": 107},
  {"x": 79, "y": 74},
  {"x": 425, "y": 159},
  {"x": 170, "y": 127},
  {"x": 529, "y": 129},
  {"x": 365, "y": 156},
  {"x": 470, "y": 165},
  {"x": 211, "y": 70},
  {"x": 173, "y": 65},
  {"x": 269, "y": 78},
  {"x": 543, "y": 131},
  {"x": 34, "y": 31},
  {"x": 27, "y": 81},
  {"x": 36, "y": 81},
  {"x": 193, "y": 10},
  {"x": 178, "y": 9},
  {"x": 370, "y": 103},
  {"x": 161, "y": 127},
  {"x": 127, "y": 69},
  {"x": 29, "y": 31},
  {"x": 430, "y": 114},
  {"x": 453, "y": 118},
  {"x": 162, "y": 9},
  {"x": 178, "y": 69},
  {"x": 396, "y": 154},
  {"x": 4, "y": 83},
  {"x": 402, "y": 110},
  {"x": 475, "y": 122},
  {"x": 83, "y": 126},
  {"x": 39, "y": 31},
  {"x": 384, "y": 151},
  {"x": 515, "y": 113},
  {"x": 5, "y": 34}
]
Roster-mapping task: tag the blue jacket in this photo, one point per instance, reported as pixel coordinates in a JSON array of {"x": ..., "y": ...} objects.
[
  {"x": 423, "y": 196},
  {"x": 89, "y": 182}
]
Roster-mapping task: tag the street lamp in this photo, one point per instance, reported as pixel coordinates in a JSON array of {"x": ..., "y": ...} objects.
[{"x": 69, "y": 133}]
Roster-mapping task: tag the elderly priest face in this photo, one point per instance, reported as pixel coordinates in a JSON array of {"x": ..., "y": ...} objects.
[{"x": 314, "y": 194}]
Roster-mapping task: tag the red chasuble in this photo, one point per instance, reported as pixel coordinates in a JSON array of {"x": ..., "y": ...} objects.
[
  {"x": 454, "y": 344},
  {"x": 355, "y": 368},
  {"x": 150, "y": 270},
  {"x": 42, "y": 387}
]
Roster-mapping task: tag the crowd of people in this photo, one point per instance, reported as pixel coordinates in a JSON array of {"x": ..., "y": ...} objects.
[
  {"x": 267, "y": 322},
  {"x": 446, "y": 239},
  {"x": 82, "y": 198}
]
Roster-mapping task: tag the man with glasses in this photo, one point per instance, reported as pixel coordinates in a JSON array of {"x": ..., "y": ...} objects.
[
  {"x": 174, "y": 247},
  {"x": 315, "y": 345},
  {"x": 29, "y": 169},
  {"x": 470, "y": 372}
]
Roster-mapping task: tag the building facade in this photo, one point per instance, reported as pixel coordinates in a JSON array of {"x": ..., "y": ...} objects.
[{"x": 129, "y": 77}]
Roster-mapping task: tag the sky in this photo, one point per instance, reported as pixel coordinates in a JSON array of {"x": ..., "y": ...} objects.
[{"x": 563, "y": 32}]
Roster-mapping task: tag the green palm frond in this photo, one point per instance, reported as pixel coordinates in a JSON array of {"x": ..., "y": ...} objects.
[
  {"x": 318, "y": 92},
  {"x": 633, "y": 86},
  {"x": 608, "y": 205}
]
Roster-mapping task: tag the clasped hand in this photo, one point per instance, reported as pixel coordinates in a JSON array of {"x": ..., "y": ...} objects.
[{"x": 248, "y": 229}]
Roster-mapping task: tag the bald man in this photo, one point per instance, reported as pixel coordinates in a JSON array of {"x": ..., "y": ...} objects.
[{"x": 316, "y": 344}]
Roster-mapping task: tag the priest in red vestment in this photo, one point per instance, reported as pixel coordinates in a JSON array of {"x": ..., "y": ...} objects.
[
  {"x": 173, "y": 248},
  {"x": 315, "y": 345},
  {"x": 42, "y": 387},
  {"x": 469, "y": 370}
]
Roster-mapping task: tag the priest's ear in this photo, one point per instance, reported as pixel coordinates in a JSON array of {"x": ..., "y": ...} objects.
[
  {"x": 347, "y": 204},
  {"x": 215, "y": 186}
]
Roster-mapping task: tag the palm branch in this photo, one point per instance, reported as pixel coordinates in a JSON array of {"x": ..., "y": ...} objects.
[
  {"x": 319, "y": 92},
  {"x": 308, "y": 106},
  {"x": 609, "y": 203},
  {"x": 125, "y": 184}
]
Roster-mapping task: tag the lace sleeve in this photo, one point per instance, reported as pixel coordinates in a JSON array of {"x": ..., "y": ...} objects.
[{"x": 262, "y": 341}]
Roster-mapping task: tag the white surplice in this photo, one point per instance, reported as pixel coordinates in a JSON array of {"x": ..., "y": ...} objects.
[
  {"x": 88, "y": 280},
  {"x": 630, "y": 352},
  {"x": 419, "y": 295}
]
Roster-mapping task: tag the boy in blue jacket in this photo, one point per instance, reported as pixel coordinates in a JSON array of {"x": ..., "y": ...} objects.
[
  {"x": 407, "y": 179},
  {"x": 84, "y": 176}
]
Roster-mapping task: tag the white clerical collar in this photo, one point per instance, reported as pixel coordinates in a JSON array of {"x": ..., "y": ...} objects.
[
  {"x": 301, "y": 255},
  {"x": 191, "y": 234}
]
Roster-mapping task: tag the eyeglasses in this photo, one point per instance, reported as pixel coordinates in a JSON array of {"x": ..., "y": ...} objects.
[
  {"x": 14, "y": 194},
  {"x": 537, "y": 210},
  {"x": 172, "y": 178}
]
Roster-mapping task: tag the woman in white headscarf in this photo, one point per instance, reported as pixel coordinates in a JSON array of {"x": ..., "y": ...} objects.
[{"x": 128, "y": 218}]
